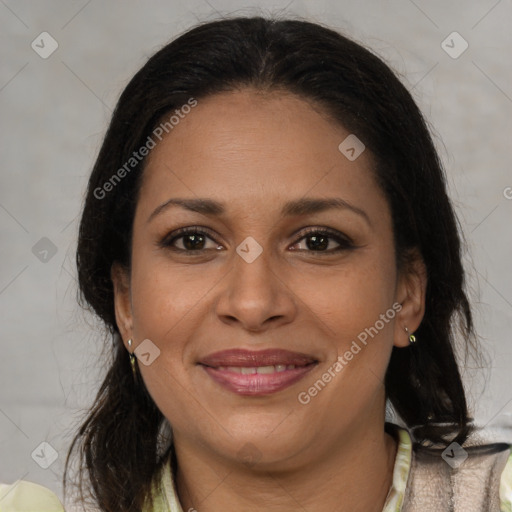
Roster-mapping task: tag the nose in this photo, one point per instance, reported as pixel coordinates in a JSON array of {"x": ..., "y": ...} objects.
[{"x": 255, "y": 296}]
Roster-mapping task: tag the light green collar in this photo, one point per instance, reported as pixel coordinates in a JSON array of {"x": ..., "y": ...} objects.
[{"x": 395, "y": 498}]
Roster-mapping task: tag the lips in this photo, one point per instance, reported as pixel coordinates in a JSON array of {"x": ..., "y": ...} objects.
[
  {"x": 248, "y": 358},
  {"x": 257, "y": 373}
]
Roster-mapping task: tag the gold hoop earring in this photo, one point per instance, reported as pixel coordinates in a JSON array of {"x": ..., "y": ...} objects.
[
  {"x": 132, "y": 360},
  {"x": 412, "y": 338}
]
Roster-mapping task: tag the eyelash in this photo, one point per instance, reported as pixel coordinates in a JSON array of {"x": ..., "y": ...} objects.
[{"x": 344, "y": 241}]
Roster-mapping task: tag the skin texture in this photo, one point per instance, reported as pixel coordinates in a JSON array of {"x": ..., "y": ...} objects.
[{"x": 254, "y": 151}]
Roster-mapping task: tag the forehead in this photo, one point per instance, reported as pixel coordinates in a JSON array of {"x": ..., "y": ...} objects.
[{"x": 251, "y": 146}]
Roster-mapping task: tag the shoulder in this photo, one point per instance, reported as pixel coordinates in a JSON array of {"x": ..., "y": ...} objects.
[
  {"x": 477, "y": 477},
  {"x": 24, "y": 496}
]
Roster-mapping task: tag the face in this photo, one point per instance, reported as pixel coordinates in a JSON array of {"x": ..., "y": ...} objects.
[{"x": 271, "y": 320}]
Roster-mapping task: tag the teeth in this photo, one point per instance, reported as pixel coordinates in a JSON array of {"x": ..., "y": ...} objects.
[
  {"x": 259, "y": 369},
  {"x": 266, "y": 369}
]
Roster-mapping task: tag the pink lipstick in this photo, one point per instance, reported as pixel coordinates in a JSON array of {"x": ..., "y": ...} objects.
[{"x": 257, "y": 373}]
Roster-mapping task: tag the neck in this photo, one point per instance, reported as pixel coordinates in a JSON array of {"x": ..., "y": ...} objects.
[{"x": 354, "y": 475}]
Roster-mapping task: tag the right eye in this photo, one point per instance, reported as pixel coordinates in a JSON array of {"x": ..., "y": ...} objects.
[{"x": 192, "y": 238}]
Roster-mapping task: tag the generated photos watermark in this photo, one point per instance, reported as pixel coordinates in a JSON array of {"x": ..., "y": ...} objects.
[
  {"x": 143, "y": 151},
  {"x": 304, "y": 397}
]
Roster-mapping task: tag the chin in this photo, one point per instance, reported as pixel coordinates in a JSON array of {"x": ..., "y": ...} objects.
[{"x": 256, "y": 446}]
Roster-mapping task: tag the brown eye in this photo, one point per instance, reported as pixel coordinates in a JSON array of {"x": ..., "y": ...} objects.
[
  {"x": 192, "y": 242},
  {"x": 318, "y": 240},
  {"x": 192, "y": 239}
]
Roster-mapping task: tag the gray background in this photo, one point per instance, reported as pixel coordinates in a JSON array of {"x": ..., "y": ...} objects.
[{"x": 54, "y": 113}]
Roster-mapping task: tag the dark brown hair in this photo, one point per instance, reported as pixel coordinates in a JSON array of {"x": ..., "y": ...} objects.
[{"x": 118, "y": 443}]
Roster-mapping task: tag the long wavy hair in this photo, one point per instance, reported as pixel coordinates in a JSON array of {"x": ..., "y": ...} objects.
[{"x": 119, "y": 445}]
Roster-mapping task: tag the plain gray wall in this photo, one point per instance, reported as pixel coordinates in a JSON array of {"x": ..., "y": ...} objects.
[{"x": 54, "y": 112}]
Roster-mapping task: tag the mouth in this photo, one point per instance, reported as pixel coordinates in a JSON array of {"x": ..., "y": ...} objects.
[{"x": 257, "y": 373}]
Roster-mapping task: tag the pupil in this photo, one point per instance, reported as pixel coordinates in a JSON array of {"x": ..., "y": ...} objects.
[
  {"x": 196, "y": 239},
  {"x": 316, "y": 242}
]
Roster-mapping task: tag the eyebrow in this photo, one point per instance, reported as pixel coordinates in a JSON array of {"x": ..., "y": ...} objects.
[{"x": 304, "y": 206}]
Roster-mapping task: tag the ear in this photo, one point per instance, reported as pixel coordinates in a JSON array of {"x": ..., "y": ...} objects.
[
  {"x": 122, "y": 300},
  {"x": 411, "y": 294}
]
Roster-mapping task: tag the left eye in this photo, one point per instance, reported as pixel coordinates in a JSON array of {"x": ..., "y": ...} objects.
[
  {"x": 194, "y": 239},
  {"x": 319, "y": 240}
]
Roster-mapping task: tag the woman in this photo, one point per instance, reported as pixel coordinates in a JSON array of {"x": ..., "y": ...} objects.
[{"x": 268, "y": 238}]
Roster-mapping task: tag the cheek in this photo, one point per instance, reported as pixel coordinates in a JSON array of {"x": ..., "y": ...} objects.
[
  {"x": 354, "y": 307},
  {"x": 164, "y": 297},
  {"x": 165, "y": 308},
  {"x": 352, "y": 297}
]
